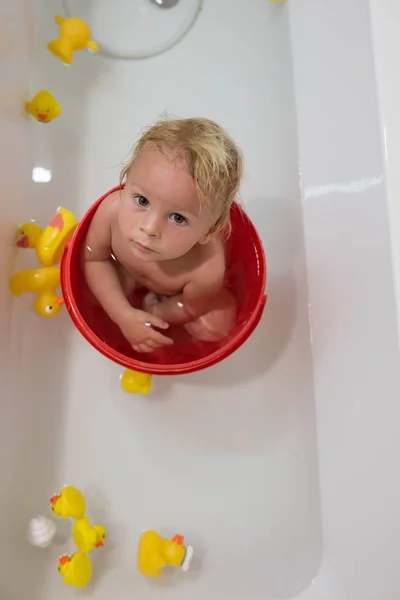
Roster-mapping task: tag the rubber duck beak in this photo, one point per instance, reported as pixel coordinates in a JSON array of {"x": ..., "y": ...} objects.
[
  {"x": 23, "y": 242},
  {"x": 99, "y": 545},
  {"x": 59, "y": 301},
  {"x": 53, "y": 500},
  {"x": 63, "y": 560},
  {"x": 178, "y": 540}
]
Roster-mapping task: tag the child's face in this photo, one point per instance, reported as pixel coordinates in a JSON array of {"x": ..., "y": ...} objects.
[{"x": 160, "y": 212}]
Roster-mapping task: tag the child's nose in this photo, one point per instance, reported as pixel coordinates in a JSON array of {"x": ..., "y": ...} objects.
[{"x": 151, "y": 226}]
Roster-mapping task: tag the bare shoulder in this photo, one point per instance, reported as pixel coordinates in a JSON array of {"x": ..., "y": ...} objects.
[
  {"x": 108, "y": 208},
  {"x": 105, "y": 215},
  {"x": 98, "y": 237}
]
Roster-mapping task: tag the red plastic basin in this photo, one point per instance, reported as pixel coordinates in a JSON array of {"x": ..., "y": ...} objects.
[{"x": 246, "y": 279}]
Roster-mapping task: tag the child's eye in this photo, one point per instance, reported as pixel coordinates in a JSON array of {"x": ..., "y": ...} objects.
[
  {"x": 141, "y": 201},
  {"x": 178, "y": 219}
]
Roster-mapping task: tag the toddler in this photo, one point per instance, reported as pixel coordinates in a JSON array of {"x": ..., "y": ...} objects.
[{"x": 165, "y": 231}]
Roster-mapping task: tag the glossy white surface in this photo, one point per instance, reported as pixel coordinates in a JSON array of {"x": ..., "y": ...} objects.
[
  {"x": 226, "y": 456},
  {"x": 353, "y": 305}
]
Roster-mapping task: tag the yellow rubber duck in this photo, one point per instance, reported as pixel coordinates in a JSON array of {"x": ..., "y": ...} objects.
[
  {"x": 44, "y": 107},
  {"x": 74, "y": 35},
  {"x": 70, "y": 503},
  {"x": 50, "y": 246},
  {"x": 43, "y": 282},
  {"x": 28, "y": 235},
  {"x": 87, "y": 537},
  {"x": 50, "y": 242},
  {"x": 134, "y": 382},
  {"x": 155, "y": 552},
  {"x": 76, "y": 570}
]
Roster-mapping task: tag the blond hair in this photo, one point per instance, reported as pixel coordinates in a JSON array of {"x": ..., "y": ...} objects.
[{"x": 213, "y": 160}]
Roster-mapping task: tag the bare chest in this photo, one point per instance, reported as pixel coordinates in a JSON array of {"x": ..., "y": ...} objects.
[{"x": 157, "y": 277}]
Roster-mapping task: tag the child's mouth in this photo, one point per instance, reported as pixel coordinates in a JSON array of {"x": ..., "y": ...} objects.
[{"x": 142, "y": 248}]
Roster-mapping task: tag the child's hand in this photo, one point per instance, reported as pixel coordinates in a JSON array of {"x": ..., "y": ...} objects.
[{"x": 137, "y": 327}]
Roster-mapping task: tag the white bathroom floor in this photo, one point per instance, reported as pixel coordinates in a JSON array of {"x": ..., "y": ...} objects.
[{"x": 227, "y": 457}]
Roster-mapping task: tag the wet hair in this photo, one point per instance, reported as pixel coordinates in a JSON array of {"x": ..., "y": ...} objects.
[{"x": 212, "y": 158}]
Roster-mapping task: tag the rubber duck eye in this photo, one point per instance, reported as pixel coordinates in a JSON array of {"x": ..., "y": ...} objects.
[
  {"x": 47, "y": 110},
  {"x": 48, "y": 310},
  {"x": 22, "y": 232}
]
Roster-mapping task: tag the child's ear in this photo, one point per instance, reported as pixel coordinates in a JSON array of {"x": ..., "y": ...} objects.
[
  {"x": 206, "y": 238},
  {"x": 213, "y": 231},
  {"x": 218, "y": 228}
]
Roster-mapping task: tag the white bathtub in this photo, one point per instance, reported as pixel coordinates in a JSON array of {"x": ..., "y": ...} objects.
[{"x": 279, "y": 465}]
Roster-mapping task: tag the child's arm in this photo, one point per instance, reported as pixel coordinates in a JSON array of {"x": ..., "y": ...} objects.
[
  {"x": 195, "y": 298},
  {"x": 188, "y": 306},
  {"x": 103, "y": 280},
  {"x": 101, "y": 275}
]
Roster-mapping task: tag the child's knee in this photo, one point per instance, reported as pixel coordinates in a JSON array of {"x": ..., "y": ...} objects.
[{"x": 218, "y": 322}]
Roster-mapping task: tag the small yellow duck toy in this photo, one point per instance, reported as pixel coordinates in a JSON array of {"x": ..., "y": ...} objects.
[
  {"x": 49, "y": 245},
  {"x": 50, "y": 242},
  {"x": 155, "y": 552},
  {"x": 44, "y": 107},
  {"x": 43, "y": 282},
  {"x": 28, "y": 235},
  {"x": 76, "y": 570},
  {"x": 134, "y": 382},
  {"x": 87, "y": 537},
  {"x": 74, "y": 35},
  {"x": 70, "y": 503}
]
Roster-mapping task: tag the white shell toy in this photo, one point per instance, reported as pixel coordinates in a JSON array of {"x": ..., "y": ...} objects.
[
  {"x": 187, "y": 561},
  {"x": 41, "y": 531}
]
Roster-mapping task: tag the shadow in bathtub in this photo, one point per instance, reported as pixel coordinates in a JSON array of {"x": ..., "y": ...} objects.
[
  {"x": 266, "y": 344},
  {"x": 277, "y": 353},
  {"x": 257, "y": 355},
  {"x": 280, "y": 228}
]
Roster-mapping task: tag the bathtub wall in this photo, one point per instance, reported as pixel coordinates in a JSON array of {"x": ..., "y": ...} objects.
[
  {"x": 15, "y": 44},
  {"x": 15, "y": 39},
  {"x": 344, "y": 128},
  {"x": 31, "y": 372}
]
